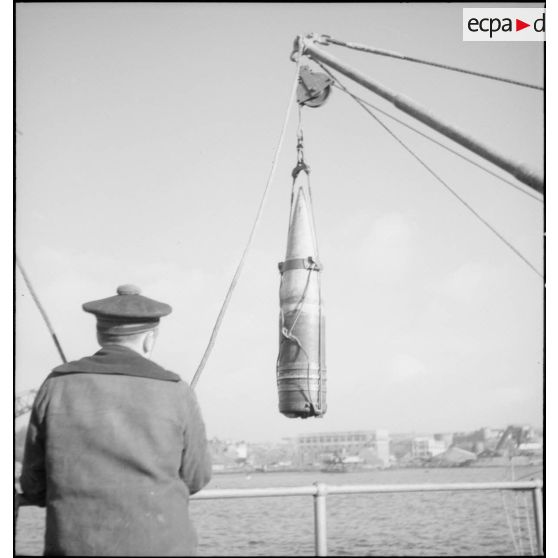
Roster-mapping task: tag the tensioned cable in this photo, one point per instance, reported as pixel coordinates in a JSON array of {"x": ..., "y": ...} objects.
[
  {"x": 41, "y": 310},
  {"x": 508, "y": 516},
  {"x": 440, "y": 144},
  {"x": 528, "y": 521},
  {"x": 240, "y": 265},
  {"x": 391, "y": 54},
  {"x": 529, "y": 475},
  {"x": 518, "y": 523},
  {"x": 516, "y": 497},
  {"x": 509, "y": 522},
  {"x": 441, "y": 180}
]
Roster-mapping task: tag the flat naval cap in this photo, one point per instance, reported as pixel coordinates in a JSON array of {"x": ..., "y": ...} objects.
[{"x": 128, "y": 312}]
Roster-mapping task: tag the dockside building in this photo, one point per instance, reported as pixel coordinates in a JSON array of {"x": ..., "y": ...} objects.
[{"x": 314, "y": 448}]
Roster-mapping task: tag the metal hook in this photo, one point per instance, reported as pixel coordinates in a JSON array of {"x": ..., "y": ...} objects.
[{"x": 300, "y": 147}]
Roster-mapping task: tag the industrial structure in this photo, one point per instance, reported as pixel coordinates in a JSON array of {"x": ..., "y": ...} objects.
[
  {"x": 370, "y": 445},
  {"x": 425, "y": 447}
]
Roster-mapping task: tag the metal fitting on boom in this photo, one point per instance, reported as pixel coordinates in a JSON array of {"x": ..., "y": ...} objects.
[
  {"x": 313, "y": 88},
  {"x": 300, "y": 164}
]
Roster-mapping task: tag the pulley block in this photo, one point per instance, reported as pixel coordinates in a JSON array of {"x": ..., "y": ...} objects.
[{"x": 313, "y": 88}]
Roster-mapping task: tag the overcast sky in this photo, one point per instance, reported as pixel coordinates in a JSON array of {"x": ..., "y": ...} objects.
[{"x": 146, "y": 134}]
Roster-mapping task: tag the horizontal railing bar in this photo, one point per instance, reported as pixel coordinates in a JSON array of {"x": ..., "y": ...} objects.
[
  {"x": 460, "y": 487},
  {"x": 254, "y": 492},
  {"x": 217, "y": 493}
]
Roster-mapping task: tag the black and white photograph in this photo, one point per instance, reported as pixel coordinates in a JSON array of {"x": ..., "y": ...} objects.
[{"x": 279, "y": 279}]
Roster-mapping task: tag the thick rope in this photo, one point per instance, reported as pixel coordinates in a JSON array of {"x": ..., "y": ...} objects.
[
  {"x": 240, "y": 265},
  {"x": 392, "y": 54},
  {"x": 41, "y": 310},
  {"x": 437, "y": 177},
  {"x": 440, "y": 144}
]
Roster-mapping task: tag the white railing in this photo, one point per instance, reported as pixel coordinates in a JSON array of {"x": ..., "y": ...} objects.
[{"x": 321, "y": 491}]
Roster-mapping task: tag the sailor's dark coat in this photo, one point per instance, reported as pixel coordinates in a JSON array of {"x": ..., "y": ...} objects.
[{"x": 115, "y": 446}]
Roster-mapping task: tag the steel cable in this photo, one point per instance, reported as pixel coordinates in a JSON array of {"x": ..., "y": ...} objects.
[
  {"x": 391, "y": 54},
  {"x": 41, "y": 310},
  {"x": 436, "y": 176},
  {"x": 518, "y": 523},
  {"x": 440, "y": 144},
  {"x": 528, "y": 520},
  {"x": 510, "y": 524}
]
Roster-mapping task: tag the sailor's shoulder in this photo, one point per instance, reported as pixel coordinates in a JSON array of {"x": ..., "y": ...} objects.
[{"x": 69, "y": 366}]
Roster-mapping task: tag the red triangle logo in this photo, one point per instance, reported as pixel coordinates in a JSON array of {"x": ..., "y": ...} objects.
[{"x": 519, "y": 25}]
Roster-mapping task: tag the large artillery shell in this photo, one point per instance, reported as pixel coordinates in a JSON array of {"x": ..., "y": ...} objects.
[{"x": 301, "y": 368}]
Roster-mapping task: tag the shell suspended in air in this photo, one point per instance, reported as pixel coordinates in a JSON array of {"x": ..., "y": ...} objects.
[{"x": 301, "y": 372}]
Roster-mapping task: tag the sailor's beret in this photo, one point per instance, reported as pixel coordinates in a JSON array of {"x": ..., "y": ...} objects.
[{"x": 128, "y": 308}]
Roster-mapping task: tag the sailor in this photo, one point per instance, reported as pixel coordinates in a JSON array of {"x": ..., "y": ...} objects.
[{"x": 116, "y": 444}]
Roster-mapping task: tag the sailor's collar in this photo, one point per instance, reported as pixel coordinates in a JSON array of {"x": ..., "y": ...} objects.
[{"x": 118, "y": 360}]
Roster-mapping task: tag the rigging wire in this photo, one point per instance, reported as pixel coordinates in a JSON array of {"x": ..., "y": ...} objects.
[
  {"x": 529, "y": 474},
  {"x": 391, "y": 54},
  {"x": 508, "y": 515},
  {"x": 517, "y": 498},
  {"x": 516, "y": 508},
  {"x": 509, "y": 522},
  {"x": 436, "y": 176},
  {"x": 528, "y": 522},
  {"x": 528, "y": 518},
  {"x": 41, "y": 310},
  {"x": 240, "y": 265},
  {"x": 447, "y": 148},
  {"x": 518, "y": 522}
]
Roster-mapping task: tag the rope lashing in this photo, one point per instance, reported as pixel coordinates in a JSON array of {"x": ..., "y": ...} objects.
[
  {"x": 289, "y": 335},
  {"x": 300, "y": 363},
  {"x": 240, "y": 265}
]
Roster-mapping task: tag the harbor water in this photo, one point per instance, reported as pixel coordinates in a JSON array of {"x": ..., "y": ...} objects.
[{"x": 445, "y": 523}]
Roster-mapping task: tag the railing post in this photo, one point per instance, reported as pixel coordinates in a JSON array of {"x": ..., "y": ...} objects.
[
  {"x": 538, "y": 515},
  {"x": 320, "y": 519}
]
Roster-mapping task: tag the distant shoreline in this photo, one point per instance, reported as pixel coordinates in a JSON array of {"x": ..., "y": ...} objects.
[{"x": 376, "y": 470}]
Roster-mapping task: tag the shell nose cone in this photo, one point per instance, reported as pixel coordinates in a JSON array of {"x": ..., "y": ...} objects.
[{"x": 301, "y": 241}]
